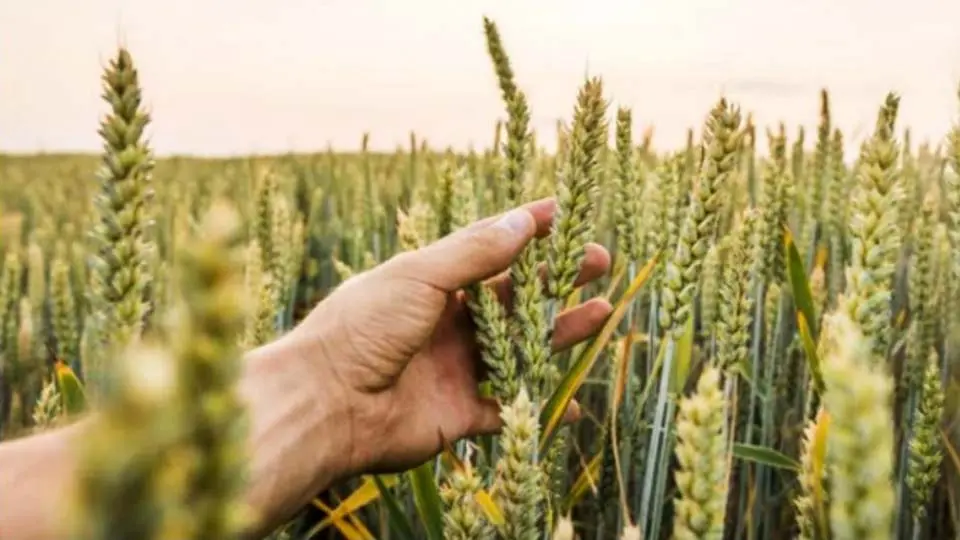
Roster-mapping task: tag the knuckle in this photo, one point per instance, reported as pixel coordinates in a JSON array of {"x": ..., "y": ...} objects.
[{"x": 403, "y": 264}]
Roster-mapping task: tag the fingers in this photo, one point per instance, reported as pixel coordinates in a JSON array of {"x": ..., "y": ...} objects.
[
  {"x": 487, "y": 419},
  {"x": 596, "y": 263},
  {"x": 580, "y": 323},
  {"x": 477, "y": 252},
  {"x": 572, "y": 326}
]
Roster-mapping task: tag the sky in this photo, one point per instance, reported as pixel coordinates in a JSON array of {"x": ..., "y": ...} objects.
[{"x": 231, "y": 77}]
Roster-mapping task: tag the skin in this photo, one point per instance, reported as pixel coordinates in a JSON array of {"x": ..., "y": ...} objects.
[{"x": 372, "y": 380}]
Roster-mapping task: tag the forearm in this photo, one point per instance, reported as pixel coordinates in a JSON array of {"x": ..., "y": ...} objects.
[
  {"x": 295, "y": 433},
  {"x": 36, "y": 475},
  {"x": 292, "y": 449}
]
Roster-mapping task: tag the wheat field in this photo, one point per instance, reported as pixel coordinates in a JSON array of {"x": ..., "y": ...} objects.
[{"x": 779, "y": 363}]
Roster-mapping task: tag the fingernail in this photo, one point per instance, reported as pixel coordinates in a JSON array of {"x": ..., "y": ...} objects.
[{"x": 516, "y": 221}]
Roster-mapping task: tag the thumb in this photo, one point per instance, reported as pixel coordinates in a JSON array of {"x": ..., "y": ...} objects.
[{"x": 471, "y": 254}]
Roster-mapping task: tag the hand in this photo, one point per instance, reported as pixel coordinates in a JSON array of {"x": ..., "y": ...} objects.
[{"x": 397, "y": 342}]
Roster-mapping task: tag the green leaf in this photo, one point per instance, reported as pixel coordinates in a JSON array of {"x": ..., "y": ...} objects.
[
  {"x": 799, "y": 284},
  {"x": 556, "y": 406},
  {"x": 399, "y": 524},
  {"x": 742, "y": 370},
  {"x": 426, "y": 497},
  {"x": 810, "y": 348},
  {"x": 73, "y": 397},
  {"x": 765, "y": 456}
]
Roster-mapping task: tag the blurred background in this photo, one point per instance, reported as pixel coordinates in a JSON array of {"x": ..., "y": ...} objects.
[{"x": 225, "y": 78}]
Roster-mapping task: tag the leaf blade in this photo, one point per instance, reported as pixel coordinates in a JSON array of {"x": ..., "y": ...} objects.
[
  {"x": 360, "y": 497},
  {"x": 765, "y": 456},
  {"x": 399, "y": 524},
  {"x": 72, "y": 395},
  {"x": 810, "y": 350},
  {"x": 426, "y": 498},
  {"x": 799, "y": 284}
]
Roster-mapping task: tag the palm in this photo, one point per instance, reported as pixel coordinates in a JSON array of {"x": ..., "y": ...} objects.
[
  {"x": 414, "y": 363},
  {"x": 439, "y": 387}
]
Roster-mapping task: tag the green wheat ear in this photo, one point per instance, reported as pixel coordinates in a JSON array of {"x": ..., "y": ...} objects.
[
  {"x": 875, "y": 234},
  {"x": 577, "y": 192},
  {"x": 924, "y": 301},
  {"x": 209, "y": 364},
  {"x": 464, "y": 519},
  {"x": 628, "y": 197},
  {"x": 9, "y": 308},
  {"x": 702, "y": 456},
  {"x": 126, "y": 484},
  {"x": 519, "y": 485},
  {"x": 63, "y": 313},
  {"x": 775, "y": 205},
  {"x": 860, "y": 446},
  {"x": 926, "y": 447},
  {"x": 123, "y": 237},
  {"x": 48, "y": 408},
  {"x": 681, "y": 278},
  {"x": 501, "y": 62},
  {"x": 736, "y": 303}
]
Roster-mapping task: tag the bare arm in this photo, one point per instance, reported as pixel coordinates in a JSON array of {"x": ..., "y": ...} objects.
[{"x": 293, "y": 444}]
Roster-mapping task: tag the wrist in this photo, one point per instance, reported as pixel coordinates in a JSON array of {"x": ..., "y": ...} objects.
[{"x": 296, "y": 419}]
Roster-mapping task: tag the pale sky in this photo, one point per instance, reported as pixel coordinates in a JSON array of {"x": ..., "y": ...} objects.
[{"x": 228, "y": 77}]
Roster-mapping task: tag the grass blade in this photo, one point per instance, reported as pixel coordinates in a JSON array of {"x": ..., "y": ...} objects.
[
  {"x": 362, "y": 496},
  {"x": 799, "y": 284},
  {"x": 819, "y": 458},
  {"x": 399, "y": 524},
  {"x": 426, "y": 498},
  {"x": 73, "y": 397},
  {"x": 587, "y": 481},
  {"x": 810, "y": 350},
  {"x": 352, "y": 530},
  {"x": 765, "y": 456}
]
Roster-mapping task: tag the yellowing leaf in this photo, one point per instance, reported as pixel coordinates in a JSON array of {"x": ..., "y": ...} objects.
[
  {"x": 360, "y": 527},
  {"x": 586, "y": 481},
  {"x": 615, "y": 281},
  {"x": 489, "y": 507},
  {"x": 900, "y": 319},
  {"x": 819, "y": 458},
  {"x": 574, "y": 299},
  {"x": 73, "y": 397},
  {"x": 821, "y": 258},
  {"x": 362, "y": 496},
  {"x": 450, "y": 458},
  {"x": 348, "y": 530},
  {"x": 622, "y": 371}
]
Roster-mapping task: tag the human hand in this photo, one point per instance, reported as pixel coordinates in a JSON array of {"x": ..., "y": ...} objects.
[{"x": 396, "y": 344}]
